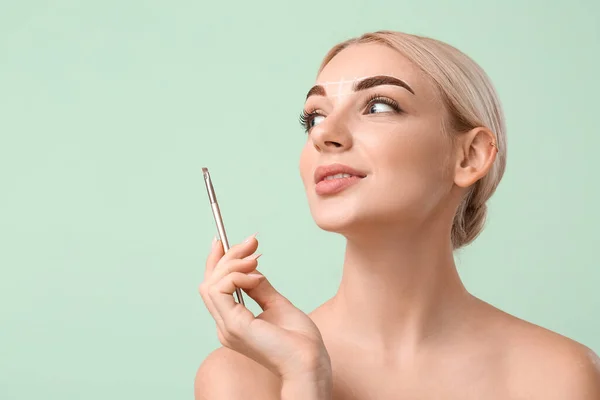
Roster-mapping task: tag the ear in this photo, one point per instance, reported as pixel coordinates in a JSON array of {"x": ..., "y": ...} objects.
[{"x": 476, "y": 152}]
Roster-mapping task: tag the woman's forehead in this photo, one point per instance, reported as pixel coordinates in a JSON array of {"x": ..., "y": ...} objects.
[{"x": 366, "y": 60}]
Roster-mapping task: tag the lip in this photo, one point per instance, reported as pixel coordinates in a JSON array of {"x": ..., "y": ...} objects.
[
  {"x": 332, "y": 169},
  {"x": 333, "y": 186}
]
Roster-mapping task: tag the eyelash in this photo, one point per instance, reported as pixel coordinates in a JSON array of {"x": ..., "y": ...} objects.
[{"x": 306, "y": 117}]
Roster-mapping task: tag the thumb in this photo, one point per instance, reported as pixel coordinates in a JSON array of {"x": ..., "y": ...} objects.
[{"x": 265, "y": 295}]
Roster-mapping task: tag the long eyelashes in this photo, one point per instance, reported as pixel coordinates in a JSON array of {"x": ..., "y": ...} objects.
[
  {"x": 377, "y": 98},
  {"x": 303, "y": 118},
  {"x": 306, "y": 117}
]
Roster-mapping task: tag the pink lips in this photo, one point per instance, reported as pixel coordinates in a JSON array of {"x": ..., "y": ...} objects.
[
  {"x": 332, "y": 169},
  {"x": 332, "y": 186}
]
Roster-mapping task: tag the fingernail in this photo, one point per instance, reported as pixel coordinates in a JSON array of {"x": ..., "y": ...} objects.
[
  {"x": 258, "y": 276},
  {"x": 250, "y": 237},
  {"x": 255, "y": 256},
  {"x": 214, "y": 242}
]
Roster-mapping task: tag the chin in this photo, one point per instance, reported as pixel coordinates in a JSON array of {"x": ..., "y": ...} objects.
[
  {"x": 335, "y": 224},
  {"x": 335, "y": 217},
  {"x": 359, "y": 217},
  {"x": 345, "y": 218}
]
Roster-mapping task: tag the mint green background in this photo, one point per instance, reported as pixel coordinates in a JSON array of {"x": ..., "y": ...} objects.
[{"x": 109, "y": 109}]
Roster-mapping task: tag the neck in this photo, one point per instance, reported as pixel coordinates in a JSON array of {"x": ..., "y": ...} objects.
[{"x": 397, "y": 290}]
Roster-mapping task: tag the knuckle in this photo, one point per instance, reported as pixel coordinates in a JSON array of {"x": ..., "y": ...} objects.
[
  {"x": 234, "y": 266},
  {"x": 212, "y": 291},
  {"x": 236, "y": 276},
  {"x": 232, "y": 331},
  {"x": 227, "y": 335},
  {"x": 202, "y": 288},
  {"x": 211, "y": 258},
  {"x": 226, "y": 267},
  {"x": 222, "y": 338}
]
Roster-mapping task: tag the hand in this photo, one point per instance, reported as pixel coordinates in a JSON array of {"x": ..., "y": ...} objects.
[{"x": 282, "y": 338}]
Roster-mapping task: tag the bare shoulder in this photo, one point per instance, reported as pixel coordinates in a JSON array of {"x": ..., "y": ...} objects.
[
  {"x": 226, "y": 374},
  {"x": 542, "y": 364}
]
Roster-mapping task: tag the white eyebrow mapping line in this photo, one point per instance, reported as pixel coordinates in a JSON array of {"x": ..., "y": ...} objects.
[
  {"x": 340, "y": 87},
  {"x": 343, "y": 81}
]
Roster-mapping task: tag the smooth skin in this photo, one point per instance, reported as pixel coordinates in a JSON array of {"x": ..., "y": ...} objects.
[{"x": 401, "y": 325}]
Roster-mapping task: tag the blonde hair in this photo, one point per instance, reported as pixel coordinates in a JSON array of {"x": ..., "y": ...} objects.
[{"x": 471, "y": 101}]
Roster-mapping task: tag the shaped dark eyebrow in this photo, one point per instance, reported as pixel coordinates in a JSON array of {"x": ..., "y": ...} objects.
[
  {"x": 316, "y": 90},
  {"x": 365, "y": 84}
]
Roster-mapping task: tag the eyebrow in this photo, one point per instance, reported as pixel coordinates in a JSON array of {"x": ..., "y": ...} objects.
[{"x": 364, "y": 84}]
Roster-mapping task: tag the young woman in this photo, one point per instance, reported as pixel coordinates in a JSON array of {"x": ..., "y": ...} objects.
[{"x": 405, "y": 144}]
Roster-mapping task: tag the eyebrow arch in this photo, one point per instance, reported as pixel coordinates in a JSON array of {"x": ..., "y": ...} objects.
[{"x": 364, "y": 84}]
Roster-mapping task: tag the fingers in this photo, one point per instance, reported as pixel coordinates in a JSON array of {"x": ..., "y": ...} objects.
[
  {"x": 265, "y": 295},
  {"x": 246, "y": 265},
  {"x": 218, "y": 289},
  {"x": 235, "y": 317},
  {"x": 217, "y": 253},
  {"x": 238, "y": 260}
]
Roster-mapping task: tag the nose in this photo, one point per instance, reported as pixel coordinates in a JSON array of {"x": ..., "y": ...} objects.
[{"x": 332, "y": 135}]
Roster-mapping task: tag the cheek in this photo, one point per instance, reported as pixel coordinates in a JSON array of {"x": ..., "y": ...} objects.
[
  {"x": 421, "y": 151},
  {"x": 411, "y": 169}
]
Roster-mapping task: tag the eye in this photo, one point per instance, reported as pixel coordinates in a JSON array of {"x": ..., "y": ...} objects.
[
  {"x": 377, "y": 104},
  {"x": 377, "y": 107},
  {"x": 317, "y": 119},
  {"x": 309, "y": 120}
]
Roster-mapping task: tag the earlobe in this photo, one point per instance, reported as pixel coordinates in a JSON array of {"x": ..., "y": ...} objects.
[{"x": 477, "y": 151}]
